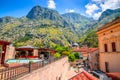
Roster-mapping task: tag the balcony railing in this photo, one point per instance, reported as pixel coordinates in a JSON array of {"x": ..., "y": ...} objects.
[{"x": 12, "y": 73}]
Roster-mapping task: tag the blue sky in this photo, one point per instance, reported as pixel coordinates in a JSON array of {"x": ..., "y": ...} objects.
[{"x": 90, "y": 8}]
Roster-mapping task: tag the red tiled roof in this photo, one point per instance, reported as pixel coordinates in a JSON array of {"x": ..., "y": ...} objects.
[
  {"x": 82, "y": 49},
  {"x": 85, "y": 50},
  {"x": 114, "y": 75},
  {"x": 93, "y": 49},
  {"x": 85, "y": 54},
  {"x": 83, "y": 76}
]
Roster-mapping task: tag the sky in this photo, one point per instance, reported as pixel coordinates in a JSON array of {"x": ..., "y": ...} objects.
[{"x": 89, "y": 8}]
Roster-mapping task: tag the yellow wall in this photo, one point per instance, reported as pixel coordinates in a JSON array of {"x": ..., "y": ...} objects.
[
  {"x": 113, "y": 59},
  {"x": 107, "y": 36}
]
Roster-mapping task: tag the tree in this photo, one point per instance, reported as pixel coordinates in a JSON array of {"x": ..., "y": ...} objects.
[
  {"x": 77, "y": 56},
  {"x": 62, "y": 50},
  {"x": 57, "y": 55},
  {"x": 71, "y": 57}
]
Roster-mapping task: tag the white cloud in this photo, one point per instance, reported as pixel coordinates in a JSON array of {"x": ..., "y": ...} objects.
[
  {"x": 110, "y": 4},
  {"x": 69, "y": 10},
  {"x": 97, "y": 15},
  {"x": 51, "y": 4},
  {"x": 91, "y": 8}
]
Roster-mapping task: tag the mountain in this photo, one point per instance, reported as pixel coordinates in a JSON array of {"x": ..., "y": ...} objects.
[
  {"x": 39, "y": 12},
  {"x": 43, "y": 14},
  {"x": 111, "y": 13},
  {"x": 75, "y": 17},
  {"x": 80, "y": 22},
  {"x": 90, "y": 37},
  {"x": 41, "y": 27}
]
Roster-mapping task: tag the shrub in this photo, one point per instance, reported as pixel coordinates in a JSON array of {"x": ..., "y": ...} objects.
[
  {"x": 57, "y": 55},
  {"x": 71, "y": 57},
  {"x": 77, "y": 56},
  {"x": 66, "y": 53}
]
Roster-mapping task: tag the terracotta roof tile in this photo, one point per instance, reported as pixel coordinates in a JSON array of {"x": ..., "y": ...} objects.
[
  {"x": 83, "y": 76},
  {"x": 85, "y": 50}
]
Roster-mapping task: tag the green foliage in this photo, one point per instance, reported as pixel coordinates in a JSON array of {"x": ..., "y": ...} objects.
[
  {"x": 44, "y": 27},
  {"x": 77, "y": 56},
  {"x": 71, "y": 57},
  {"x": 57, "y": 55},
  {"x": 110, "y": 14},
  {"x": 62, "y": 50},
  {"x": 59, "y": 48},
  {"x": 79, "y": 22},
  {"x": 90, "y": 39},
  {"x": 66, "y": 53}
]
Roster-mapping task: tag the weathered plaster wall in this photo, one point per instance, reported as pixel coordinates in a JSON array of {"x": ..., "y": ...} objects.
[
  {"x": 113, "y": 60},
  {"x": 107, "y": 36},
  {"x": 53, "y": 71},
  {"x": 10, "y": 52}
]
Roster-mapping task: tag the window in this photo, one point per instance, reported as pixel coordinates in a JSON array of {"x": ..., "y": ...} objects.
[
  {"x": 105, "y": 48},
  {"x": 113, "y": 47},
  {"x": 107, "y": 66}
]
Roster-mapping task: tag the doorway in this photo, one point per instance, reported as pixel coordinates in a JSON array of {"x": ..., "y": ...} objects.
[{"x": 107, "y": 66}]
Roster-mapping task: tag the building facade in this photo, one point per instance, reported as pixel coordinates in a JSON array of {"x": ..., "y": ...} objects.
[
  {"x": 109, "y": 46},
  {"x": 10, "y": 52},
  {"x": 90, "y": 56},
  {"x": 93, "y": 58}
]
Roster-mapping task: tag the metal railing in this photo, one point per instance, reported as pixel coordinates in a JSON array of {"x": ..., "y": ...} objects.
[{"x": 12, "y": 73}]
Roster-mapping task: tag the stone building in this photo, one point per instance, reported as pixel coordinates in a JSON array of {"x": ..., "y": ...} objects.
[
  {"x": 93, "y": 58},
  {"x": 90, "y": 56},
  {"x": 109, "y": 46}
]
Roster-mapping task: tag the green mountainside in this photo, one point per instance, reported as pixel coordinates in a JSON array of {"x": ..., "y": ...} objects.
[
  {"x": 90, "y": 37},
  {"x": 43, "y": 27},
  {"x": 80, "y": 22},
  {"x": 112, "y": 13}
]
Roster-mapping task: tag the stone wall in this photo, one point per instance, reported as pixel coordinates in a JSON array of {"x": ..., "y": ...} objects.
[{"x": 54, "y": 71}]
